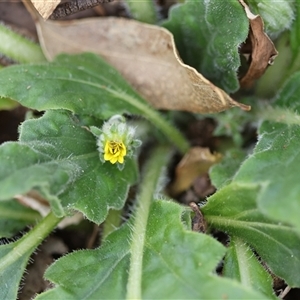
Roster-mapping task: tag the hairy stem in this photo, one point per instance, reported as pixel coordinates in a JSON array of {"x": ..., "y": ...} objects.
[
  {"x": 170, "y": 132},
  {"x": 280, "y": 115},
  {"x": 19, "y": 48},
  {"x": 152, "y": 173},
  {"x": 29, "y": 242},
  {"x": 243, "y": 255}
]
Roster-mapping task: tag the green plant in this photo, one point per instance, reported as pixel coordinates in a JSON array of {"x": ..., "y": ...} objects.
[{"x": 154, "y": 254}]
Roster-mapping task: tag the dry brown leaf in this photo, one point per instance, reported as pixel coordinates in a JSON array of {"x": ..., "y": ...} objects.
[
  {"x": 263, "y": 51},
  {"x": 195, "y": 163},
  {"x": 45, "y": 7},
  {"x": 35, "y": 201},
  {"x": 144, "y": 54},
  {"x": 198, "y": 223}
]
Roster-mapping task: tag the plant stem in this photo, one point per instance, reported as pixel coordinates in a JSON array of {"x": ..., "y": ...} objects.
[
  {"x": 170, "y": 132},
  {"x": 280, "y": 115},
  {"x": 143, "y": 10},
  {"x": 243, "y": 254},
  {"x": 29, "y": 242},
  {"x": 19, "y": 48},
  {"x": 152, "y": 173}
]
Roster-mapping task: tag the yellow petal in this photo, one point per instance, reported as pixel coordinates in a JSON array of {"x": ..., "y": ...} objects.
[
  {"x": 106, "y": 148},
  {"x": 114, "y": 152},
  {"x": 107, "y": 156},
  {"x": 114, "y": 160},
  {"x": 123, "y": 149}
]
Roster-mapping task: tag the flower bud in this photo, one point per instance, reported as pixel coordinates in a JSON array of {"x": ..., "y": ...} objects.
[{"x": 115, "y": 141}]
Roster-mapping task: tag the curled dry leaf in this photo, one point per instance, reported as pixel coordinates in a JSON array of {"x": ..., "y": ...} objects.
[
  {"x": 195, "y": 163},
  {"x": 45, "y": 7},
  {"x": 198, "y": 222},
  {"x": 144, "y": 54},
  {"x": 263, "y": 51}
]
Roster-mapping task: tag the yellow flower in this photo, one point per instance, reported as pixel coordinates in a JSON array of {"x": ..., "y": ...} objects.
[
  {"x": 115, "y": 140},
  {"x": 114, "y": 151}
]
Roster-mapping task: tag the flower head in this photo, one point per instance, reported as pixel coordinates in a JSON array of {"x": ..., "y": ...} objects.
[
  {"x": 115, "y": 140},
  {"x": 114, "y": 151}
]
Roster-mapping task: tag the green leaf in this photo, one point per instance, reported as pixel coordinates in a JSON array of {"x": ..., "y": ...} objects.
[
  {"x": 275, "y": 165},
  {"x": 233, "y": 209},
  {"x": 14, "y": 217},
  {"x": 261, "y": 204},
  {"x": 6, "y": 103},
  {"x": 288, "y": 62},
  {"x": 275, "y": 162},
  {"x": 295, "y": 31},
  {"x": 83, "y": 84},
  {"x": 14, "y": 256},
  {"x": 241, "y": 264},
  {"x": 277, "y": 15},
  {"x": 58, "y": 156},
  {"x": 208, "y": 35},
  {"x": 143, "y": 11},
  {"x": 271, "y": 81},
  {"x": 144, "y": 258},
  {"x": 176, "y": 264}
]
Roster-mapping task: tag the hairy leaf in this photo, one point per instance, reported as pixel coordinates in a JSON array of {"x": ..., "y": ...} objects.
[
  {"x": 276, "y": 160},
  {"x": 262, "y": 202},
  {"x": 274, "y": 166},
  {"x": 242, "y": 264},
  {"x": 58, "y": 156},
  {"x": 209, "y": 38},
  {"x": 233, "y": 209},
  {"x": 84, "y": 84},
  {"x": 168, "y": 247}
]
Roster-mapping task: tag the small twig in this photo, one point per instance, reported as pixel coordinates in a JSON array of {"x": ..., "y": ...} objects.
[
  {"x": 198, "y": 222},
  {"x": 93, "y": 237},
  {"x": 284, "y": 292},
  {"x": 69, "y": 8}
]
